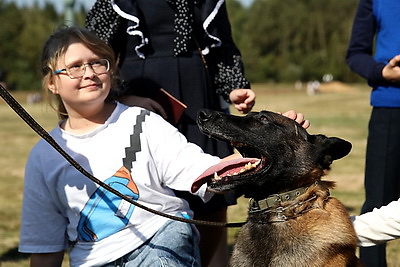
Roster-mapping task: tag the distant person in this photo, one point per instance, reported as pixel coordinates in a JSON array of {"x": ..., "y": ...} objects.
[
  {"x": 377, "y": 22},
  {"x": 186, "y": 48}
]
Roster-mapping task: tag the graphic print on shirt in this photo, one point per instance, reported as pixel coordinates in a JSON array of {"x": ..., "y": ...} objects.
[{"x": 105, "y": 213}]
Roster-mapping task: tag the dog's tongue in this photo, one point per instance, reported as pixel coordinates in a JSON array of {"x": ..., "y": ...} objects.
[{"x": 224, "y": 168}]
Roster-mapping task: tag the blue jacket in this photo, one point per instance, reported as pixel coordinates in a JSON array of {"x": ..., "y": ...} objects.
[{"x": 380, "y": 20}]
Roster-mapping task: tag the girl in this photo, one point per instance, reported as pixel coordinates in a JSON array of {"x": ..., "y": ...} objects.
[{"x": 131, "y": 149}]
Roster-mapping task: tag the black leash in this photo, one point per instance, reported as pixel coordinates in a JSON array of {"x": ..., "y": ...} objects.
[{"x": 13, "y": 103}]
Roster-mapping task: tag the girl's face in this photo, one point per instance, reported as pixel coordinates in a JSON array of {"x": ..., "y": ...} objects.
[{"x": 91, "y": 89}]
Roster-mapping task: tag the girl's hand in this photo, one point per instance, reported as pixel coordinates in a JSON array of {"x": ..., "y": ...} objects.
[{"x": 243, "y": 99}]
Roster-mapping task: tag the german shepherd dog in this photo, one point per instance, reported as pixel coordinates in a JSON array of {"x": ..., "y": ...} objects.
[{"x": 292, "y": 220}]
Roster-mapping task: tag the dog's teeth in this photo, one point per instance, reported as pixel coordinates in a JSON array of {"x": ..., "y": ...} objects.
[
  {"x": 216, "y": 177},
  {"x": 245, "y": 168},
  {"x": 255, "y": 164},
  {"x": 249, "y": 166}
]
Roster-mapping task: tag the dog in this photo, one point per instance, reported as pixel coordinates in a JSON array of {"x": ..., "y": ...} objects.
[{"x": 292, "y": 220}]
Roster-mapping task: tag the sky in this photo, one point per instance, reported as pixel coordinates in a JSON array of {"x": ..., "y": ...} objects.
[{"x": 59, "y": 4}]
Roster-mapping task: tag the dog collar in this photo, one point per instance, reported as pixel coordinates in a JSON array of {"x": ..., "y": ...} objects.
[{"x": 277, "y": 200}]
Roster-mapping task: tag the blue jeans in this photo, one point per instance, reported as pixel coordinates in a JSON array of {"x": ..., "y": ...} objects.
[{"x": 175, "y": 244}]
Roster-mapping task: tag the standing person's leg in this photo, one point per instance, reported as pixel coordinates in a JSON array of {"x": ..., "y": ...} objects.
[
  {"x": 221, "y": 256},
  {"x": 217, "y": 255},
  {"x": 382, "y": 184}
]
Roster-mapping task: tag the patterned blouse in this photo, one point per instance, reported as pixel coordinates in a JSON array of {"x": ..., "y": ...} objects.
[{"x": 111, "y": 18}]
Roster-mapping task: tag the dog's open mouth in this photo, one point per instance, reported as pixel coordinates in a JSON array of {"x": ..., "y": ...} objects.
[{"x": 219, "y": 176}]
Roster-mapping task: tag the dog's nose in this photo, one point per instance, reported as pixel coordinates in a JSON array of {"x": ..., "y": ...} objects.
[{"x": 204, "y": 115}]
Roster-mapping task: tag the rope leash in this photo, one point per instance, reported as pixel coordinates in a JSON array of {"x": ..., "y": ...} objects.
[{"x": 24, "y": 115}]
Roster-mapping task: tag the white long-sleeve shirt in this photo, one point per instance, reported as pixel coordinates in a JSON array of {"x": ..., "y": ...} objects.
[{"x": 378, "y": 226}]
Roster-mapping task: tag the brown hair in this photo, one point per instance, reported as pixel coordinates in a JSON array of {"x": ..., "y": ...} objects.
[{"x": 56, "y": 46}]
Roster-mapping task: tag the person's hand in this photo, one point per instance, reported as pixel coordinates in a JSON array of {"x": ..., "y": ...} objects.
[
  {"x": 243, "y": 99},
  {"x": 143, "y": 102},
  {"x": 298, "y": 117},
  {"x": 391, "y": 71}
]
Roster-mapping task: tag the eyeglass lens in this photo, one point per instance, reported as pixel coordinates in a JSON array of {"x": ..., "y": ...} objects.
[{"x": 98, "y": 66}]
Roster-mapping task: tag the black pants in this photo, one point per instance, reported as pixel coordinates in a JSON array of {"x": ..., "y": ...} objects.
[{"x": 382, "y": 172}]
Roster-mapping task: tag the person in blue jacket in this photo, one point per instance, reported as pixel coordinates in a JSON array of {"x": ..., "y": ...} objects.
[{"x": 373, "y": 53}]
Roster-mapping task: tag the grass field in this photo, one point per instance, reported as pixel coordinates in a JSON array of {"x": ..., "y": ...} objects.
[{"x": 339, "y": 110}]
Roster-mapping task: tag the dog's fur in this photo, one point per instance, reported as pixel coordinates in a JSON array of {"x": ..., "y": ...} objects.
[{"x": 311, "y": 229}]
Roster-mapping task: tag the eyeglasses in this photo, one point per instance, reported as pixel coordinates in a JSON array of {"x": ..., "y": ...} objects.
[{"x": 77, "y": 70}]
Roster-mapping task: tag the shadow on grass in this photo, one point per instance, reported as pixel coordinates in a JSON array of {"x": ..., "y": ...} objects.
[{"x": 13, "y": 255}]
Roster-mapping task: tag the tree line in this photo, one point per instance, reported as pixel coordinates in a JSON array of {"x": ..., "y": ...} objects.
[{"x": 280, "y": 41}]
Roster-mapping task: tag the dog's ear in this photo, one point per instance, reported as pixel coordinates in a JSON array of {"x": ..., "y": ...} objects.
[{"x": 332, "y": 148}]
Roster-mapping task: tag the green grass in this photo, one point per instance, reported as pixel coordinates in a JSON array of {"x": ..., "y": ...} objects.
[{"x": 340, "y": 110}]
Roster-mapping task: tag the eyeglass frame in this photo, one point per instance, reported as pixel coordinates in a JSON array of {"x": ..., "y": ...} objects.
[{"x": 66, "y": 69}]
